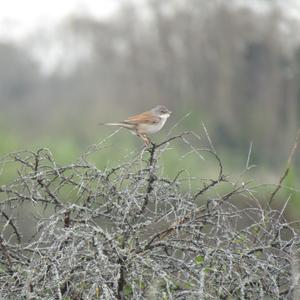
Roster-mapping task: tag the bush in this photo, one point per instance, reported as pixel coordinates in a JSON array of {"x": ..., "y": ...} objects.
[{"x": 130, "y": 233}]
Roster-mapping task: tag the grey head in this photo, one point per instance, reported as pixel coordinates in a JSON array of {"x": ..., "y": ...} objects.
[{"x": 161, "y": 110}]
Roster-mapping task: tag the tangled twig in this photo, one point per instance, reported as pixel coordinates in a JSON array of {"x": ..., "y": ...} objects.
[{"x": 130, "y": 233}]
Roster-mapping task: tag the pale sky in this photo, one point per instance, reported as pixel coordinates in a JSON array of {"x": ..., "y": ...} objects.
[{"x": 19, "y": 18}]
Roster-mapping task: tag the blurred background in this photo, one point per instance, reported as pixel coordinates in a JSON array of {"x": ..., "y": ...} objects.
[{"x": 235, "y": 65}]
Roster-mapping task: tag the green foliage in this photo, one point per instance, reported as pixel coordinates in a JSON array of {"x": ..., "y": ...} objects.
[
  {"x": 8, "y": 143},
  {"x": 127, "y": 290},
  {"x": 199, "y": 259},
  {"x": 292, "y": 190}
]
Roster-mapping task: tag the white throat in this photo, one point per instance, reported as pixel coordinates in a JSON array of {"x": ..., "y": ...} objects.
[{"x": 165, "y": 116}]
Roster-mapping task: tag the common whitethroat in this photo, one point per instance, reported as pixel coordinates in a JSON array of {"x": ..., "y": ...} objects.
[{"x": 145, "y": 123}]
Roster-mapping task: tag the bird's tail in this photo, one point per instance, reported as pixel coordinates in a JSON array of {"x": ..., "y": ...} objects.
[{"x": 120, "y": 124}]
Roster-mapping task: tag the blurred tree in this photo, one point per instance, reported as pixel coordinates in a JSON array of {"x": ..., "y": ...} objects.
[{"x": 18, "y": 75}]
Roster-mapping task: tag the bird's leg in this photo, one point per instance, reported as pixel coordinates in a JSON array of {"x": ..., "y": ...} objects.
[{"x": 145, "y": 138}]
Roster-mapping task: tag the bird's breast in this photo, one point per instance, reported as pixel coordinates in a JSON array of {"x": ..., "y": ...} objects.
[{"x": 152, "y": 128}]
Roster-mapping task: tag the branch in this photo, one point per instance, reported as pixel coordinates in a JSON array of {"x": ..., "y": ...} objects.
[
  {"x": 287, "y": 170},
  {"x": 11, "y": 223}
]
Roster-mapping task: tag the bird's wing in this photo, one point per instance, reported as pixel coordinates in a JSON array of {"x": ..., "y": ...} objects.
[{"x": 145, "y": 117}]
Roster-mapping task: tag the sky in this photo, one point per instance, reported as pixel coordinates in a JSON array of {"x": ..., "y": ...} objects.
[{"x": 21, "y": 18}]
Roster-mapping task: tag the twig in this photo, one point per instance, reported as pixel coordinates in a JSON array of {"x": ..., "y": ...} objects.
[
  {"x": 11, "y": 223},
  {"x": 173, "y": 138},
  {"x": 289, "y": 163}
]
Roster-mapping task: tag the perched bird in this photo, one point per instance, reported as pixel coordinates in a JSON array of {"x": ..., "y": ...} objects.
[{"x": 145, "y": 123}]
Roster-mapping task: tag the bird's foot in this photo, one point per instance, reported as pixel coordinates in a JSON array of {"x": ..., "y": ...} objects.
[{"x": 146, "y": 140}]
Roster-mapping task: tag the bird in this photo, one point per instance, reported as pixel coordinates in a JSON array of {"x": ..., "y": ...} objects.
[{"x": 145, "y": 123}]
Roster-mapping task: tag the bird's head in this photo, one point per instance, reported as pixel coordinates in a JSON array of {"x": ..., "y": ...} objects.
[{"x": 161, "y": 111}]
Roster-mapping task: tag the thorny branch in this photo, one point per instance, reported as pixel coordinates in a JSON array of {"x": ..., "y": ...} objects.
[
  {"x": 128, "y": 232},
  {"x": 287, "y": 170}
]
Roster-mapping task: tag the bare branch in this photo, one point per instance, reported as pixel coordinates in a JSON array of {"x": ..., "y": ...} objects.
[{"x": 128, "y": 232}]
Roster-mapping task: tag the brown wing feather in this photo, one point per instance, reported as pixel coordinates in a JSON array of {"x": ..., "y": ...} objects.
[{"x": 145, "y": 117}]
